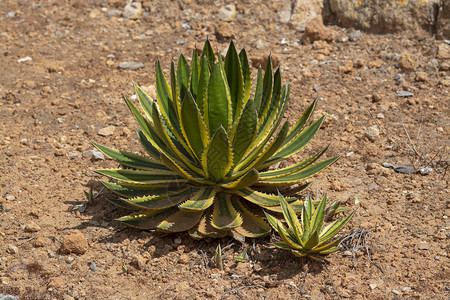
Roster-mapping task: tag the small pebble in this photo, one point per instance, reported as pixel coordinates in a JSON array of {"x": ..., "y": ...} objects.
[
  {"x": 132, "y": 10},
  {"x": 354, "y": 36},
  {"x": 372, "y": 286},
  {"x": 227, "y": 12},
  {"x": 398, "y": 78},
  {"x": 74, "y": 155},
  {"x": 380, "y": 116},
  {"x": 107, "y": 131},
  {"x": 348, "y": 253},
  {"x": 24, "y": 59},
  {"x": 372, "y": 133},
  {"x": 406, "y": 288},
  {"x": 177, "y": 241},
  {"x": 10, "y": 198},
  {"x": 423, "y": 246},
  {"x": 260, "y": 44},
  {"x": 69, "y": 259},
  {"x": 395, "y": 292},
  {"x": 425, "y": 171},
  {"x": 11, "y": 249},
  {"x": 131, "y": 65},
  {"x": 93, "y": 267},
  {"x": 7, "y": 297},
  {"x": 404, "y": 94}
]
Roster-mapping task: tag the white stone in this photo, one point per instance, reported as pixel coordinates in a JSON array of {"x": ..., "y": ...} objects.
[
  {"x": 132, "y": 10},
  {"x": 107, "y": 131},
  {"x": 227, "y": 12},
  {"x": 372, "y": 133}
]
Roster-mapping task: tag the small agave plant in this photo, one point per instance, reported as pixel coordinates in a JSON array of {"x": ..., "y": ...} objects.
[
  {"x": 307, "y": 237},
  {"x": 211, "y": 143}
]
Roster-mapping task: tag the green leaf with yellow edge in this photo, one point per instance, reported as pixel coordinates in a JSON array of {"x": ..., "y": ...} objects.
[
  {"x": 201, "y": 200},
  {"x": 206, "y": 229},
  {"x": 193, "y": 126},
  {"x": 183, "y": 73},
  {"x": 252, "y": 226},
  {"x": 235, "y": 79},
  {"x": 244, "y": 181},
  {"x": 289, "y": 239},
  {"x": 120, "y": 203},
  {"x": 297, "y": 143},
  {"x": 147, "y": 219},
  {"x": 267, "y": 128},
  {"x": 312, "y": 241},
  {"x": 173, "y": 86},
  {"x": 132, "y": 160},
  {"x": 318, "y": 216},
  {"x": 298, "y": 126},
  {"x": 271, "y": 174},
  {"x": 168, "y": 107},
  {"x": 217, "y": 105},
  {"x": 332, "y": 229},
  {"x": 327, "y": 246},
  {"x": 208, "y": 52},
  {"x": 259, "y": 157},
  {"x": 171, "y": 164},
  {"x": 307, "y": 212},
  {"x": 144, "y": 177},
  {"x": 267, "y": 89},
  {"x": 203, "y": 83},
  {"x": 164, "y": 95},
  {"x": 179, "y": 158},
  {"x": 269, "y": 114},
  {"x": 329, "y": 251},
  {"x": 148, "y": 146},
  {"x": 259, "y": 198},
  {"x": 145, "y": 101},
  {"x": 180, "y": 221},
  {"x": 259, "y": 89},
  {"x": 300, "y": 175},
  {"x": 246, "y": 74},
  {"x": 217, "y": 158},
  {"x": 297, "y": 206},
  {"x": 147, "y": 130},
  {"x": 161, "y": 201},
  {"x": 195, "y": 74},
  {"x": 244, "y": 131},
  {"x": 224, "y": 215},
  {"x": 131, "y": 190},
  {"x": 290, "y": 217}
]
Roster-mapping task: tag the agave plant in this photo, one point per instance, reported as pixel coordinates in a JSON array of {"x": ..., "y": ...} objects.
[
  {"x": 307, "y": 237},
  {"x": 211, "y": 143}
]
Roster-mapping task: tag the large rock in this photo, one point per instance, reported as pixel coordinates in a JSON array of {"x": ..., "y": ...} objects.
[
  {"x": 316, "y": 31},
  {"x": 305, "y": 11},
  {"x": 75, "y": 242},
  {"x": 443, "y": 21},
  {"x": 300, "y": 12},
  {"x": 382, "y": 16}
]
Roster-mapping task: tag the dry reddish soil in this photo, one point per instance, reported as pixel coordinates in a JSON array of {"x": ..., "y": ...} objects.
[{"x": 55, "y": 103}]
